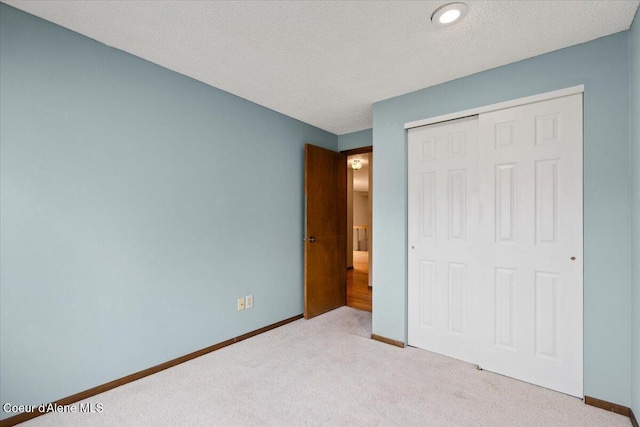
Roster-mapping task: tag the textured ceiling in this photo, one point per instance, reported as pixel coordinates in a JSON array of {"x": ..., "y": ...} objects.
[{"x": 326, "y": 63}]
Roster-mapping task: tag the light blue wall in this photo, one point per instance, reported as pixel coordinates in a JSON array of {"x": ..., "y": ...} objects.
[
  {"x": 634, "y": 45},
  {"x": 602, "y": 66},
  {"x": 137, "y": 206},
  {"x": 349, "y": 141}
]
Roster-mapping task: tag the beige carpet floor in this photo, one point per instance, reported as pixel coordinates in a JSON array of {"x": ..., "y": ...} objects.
[{"x": 328, "y": 372}]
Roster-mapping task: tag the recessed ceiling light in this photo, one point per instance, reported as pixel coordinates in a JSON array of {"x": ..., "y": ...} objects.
[{"x": 449, "y": 13}]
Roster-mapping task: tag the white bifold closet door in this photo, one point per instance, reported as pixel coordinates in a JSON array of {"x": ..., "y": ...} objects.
[
  {"x": 444, "y": 233},
  {"x": 531, "y": 268},
  {"x": 507, "y": 294}
]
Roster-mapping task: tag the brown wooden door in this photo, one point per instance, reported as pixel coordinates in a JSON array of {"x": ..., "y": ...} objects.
[{"x": 325, "y": 246}]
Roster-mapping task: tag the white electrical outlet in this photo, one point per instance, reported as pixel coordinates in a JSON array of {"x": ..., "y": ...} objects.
[
  {"x": 240, "y": 304},
  {"x": 249, "y": 300}
]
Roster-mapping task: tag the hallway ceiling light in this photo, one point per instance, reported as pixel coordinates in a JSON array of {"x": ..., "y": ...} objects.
[
  {"x": 356, "y": 164},
  {"x": 449, "y": 13}
]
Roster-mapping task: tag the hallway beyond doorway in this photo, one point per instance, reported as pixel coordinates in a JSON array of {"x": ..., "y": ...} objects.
[{"x": 358, "y": 291}]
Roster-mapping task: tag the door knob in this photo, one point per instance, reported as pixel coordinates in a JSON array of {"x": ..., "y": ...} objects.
[{"x": 312, "y": 239}]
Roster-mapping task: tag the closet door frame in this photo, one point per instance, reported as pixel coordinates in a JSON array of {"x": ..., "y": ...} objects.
[
  {"x": 498, "y": 106},
  {"x": 491, "y": 108}
]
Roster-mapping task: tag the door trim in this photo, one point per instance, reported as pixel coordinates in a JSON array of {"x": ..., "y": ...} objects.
[
  {"x": 362, "y": 150},
  {"x": 499, "y": 106}
]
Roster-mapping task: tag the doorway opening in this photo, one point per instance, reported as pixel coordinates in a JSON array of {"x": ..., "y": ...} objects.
[{"x": 359, "y": 227}]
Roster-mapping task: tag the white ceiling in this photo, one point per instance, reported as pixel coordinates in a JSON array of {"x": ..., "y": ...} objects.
[{"x": 326, "y": 62}]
